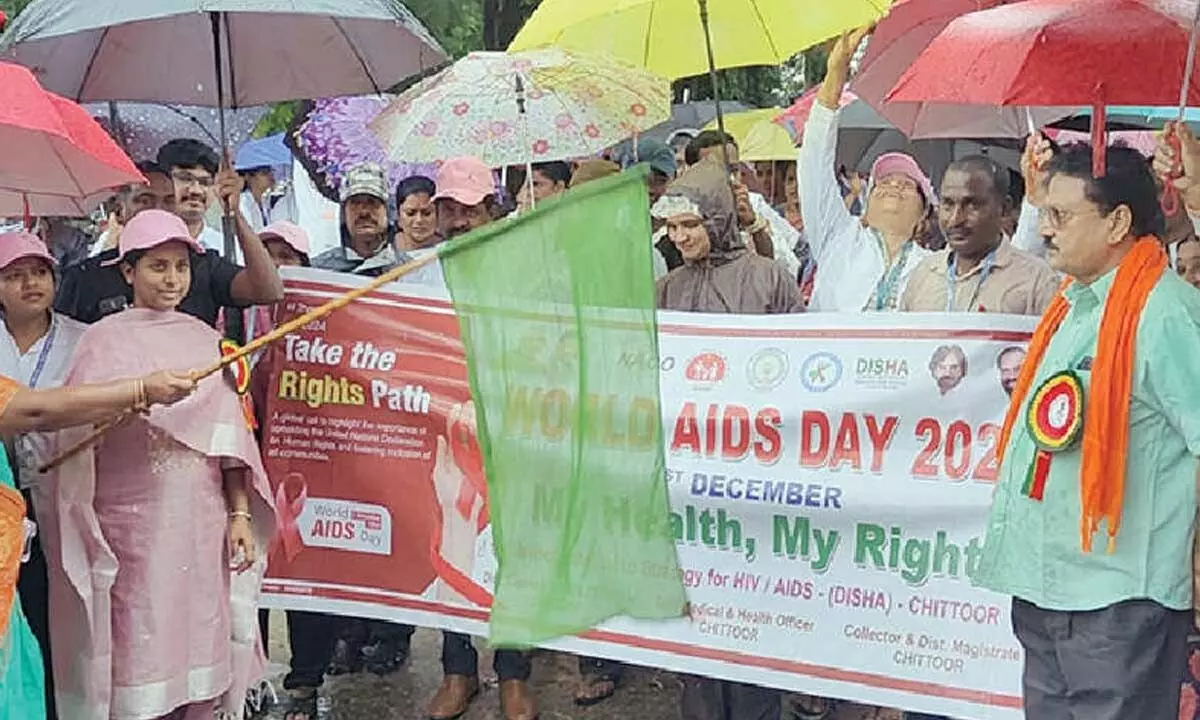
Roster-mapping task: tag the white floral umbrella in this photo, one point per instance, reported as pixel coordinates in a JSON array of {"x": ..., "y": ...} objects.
[{"x": 519, "y": 108}]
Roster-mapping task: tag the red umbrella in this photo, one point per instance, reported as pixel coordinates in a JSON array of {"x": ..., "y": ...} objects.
[
  {"x": 56, "y": 160},
  {"x": 897, "y": 41},
  {"x": 795, "y": 117},
  {"x": 1059, "y": 52}
]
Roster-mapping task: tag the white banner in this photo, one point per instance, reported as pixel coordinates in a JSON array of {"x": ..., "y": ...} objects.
[{"x": 830, "y": 478}]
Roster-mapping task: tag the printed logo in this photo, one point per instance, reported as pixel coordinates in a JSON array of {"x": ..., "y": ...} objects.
[
  {"x": 645, "y": 361},
  {"x": 767, "y": 369},
  {"x": 706, "y": 369},
  {"x": 820, "y": 372},
  {"x": 881, "y": 373}
]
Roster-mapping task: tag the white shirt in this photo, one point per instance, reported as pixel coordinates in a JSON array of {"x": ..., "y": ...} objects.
[
  {"x": 213, "y": 239},
  {"x": 257, "y": 214},
  {"x": 783, "y": 235},
  {"x": 1027, "y": 238},
  {"x": 101, "y": 241},
  {"x": 54, "y": 360},
  {"x": 850, "y": 257},
  {"x": 657, "y": 261}
]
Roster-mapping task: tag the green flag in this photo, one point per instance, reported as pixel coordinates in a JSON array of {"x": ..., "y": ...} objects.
[{"x": 557, "y": 313}]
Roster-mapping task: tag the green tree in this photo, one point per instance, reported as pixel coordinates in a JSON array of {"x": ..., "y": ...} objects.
[
  {"x": 456, "y": 24},
  {"x": 12, "y": 7}
]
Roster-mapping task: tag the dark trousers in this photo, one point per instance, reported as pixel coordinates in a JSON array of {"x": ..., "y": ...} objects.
[
  {"x": 709, "y": 699},
  {"x": 310, "y": 636},
  {"x": 33, "y": 586},
  {"x": 459, "y": 657},
  {"x": 361, "y": 631},
  {"x": 1122, "y": 662}
]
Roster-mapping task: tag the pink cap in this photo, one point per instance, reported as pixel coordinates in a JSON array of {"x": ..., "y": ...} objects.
[
  {"x": 151, "y": 228},
  {"x": 16, "y": 246},
  {"x": 465, "y": 179},
  {"x": 896, "y": 163},
  {"x": 290, "y": 233}
]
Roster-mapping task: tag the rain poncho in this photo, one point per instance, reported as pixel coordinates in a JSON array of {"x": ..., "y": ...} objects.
[{"x": 731, "y": 279}]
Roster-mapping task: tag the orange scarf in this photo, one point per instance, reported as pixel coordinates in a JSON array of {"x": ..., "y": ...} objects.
[{"x": 1106, "y": 421}]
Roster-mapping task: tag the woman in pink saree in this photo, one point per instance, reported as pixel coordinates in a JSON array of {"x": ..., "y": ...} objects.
[{"x": 157, "y": 536}]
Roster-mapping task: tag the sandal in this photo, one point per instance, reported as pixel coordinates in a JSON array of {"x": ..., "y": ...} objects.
[
  {"x": 260, "y": 700},
  {"x": 595, "y": 689},
  {"x": 301, "y": 705}
]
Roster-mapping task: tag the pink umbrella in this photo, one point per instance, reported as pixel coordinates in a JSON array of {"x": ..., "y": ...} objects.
[
  {"x": 56, "y": 160},
  {"x": 794, "y": 118},
  {"x": 899, "y": 39}
]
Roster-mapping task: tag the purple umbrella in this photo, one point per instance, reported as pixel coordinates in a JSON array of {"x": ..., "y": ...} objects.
[
  {"x": 330, "y": 136},
  {"x": 145, "y": 127}
]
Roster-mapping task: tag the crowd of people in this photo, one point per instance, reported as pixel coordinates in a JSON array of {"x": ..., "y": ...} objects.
[{"x": 178, "y": 499}]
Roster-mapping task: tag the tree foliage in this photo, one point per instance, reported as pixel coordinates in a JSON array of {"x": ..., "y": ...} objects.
[{"x": 12, "y": 7}]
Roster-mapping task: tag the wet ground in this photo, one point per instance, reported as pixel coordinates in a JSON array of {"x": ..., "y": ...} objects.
[
  {"x": 403, "y": 695},
  {"x": 644, "y": 694}
]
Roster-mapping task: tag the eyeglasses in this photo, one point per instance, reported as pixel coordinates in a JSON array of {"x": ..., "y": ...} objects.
[
  {"x": 185, "y": 179},
  {"x": 1058, "y": 218}
]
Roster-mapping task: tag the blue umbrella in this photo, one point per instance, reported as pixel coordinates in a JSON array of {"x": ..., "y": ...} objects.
[
  {"x": 267, "y": 152},
  {"x": 1154, "y": 116}
]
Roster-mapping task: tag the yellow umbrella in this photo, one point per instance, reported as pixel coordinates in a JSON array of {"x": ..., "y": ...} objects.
[
  {"x": 759, "y": 138},
  {"x": 668, "y": 37}
]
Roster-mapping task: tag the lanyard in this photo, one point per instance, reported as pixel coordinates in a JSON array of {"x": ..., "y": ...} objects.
[
  {"x": 952, "y": 279},
  {"x": 44, "y": 355},
  {"x": 889, "y": 283}
]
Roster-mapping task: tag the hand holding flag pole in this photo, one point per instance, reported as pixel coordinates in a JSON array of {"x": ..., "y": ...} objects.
[{"x": 250, "y": 348}]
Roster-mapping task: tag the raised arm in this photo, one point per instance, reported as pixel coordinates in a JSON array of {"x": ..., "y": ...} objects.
[
  {"x": 258, "y": 283},
  {"x": 1034, "y": 159},
  {"x": 826, "y": 218}
]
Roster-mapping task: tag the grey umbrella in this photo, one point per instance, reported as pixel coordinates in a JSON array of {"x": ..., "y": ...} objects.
[
  {"x": 218, "y": 53},
  {"x": 166, "y": 51}
]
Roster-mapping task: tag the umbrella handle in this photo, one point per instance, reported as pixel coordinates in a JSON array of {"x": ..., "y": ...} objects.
[{"x": 1170, "y": 193}]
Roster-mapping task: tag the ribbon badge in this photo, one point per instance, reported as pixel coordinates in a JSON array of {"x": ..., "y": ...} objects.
[
  {"x": 238, "y": 373},
  {"x": 287, "y": 514},
  {"x": 1055, "y": 422}
]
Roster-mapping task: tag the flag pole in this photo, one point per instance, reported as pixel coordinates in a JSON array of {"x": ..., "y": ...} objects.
[{"x": 275, "y": 335}]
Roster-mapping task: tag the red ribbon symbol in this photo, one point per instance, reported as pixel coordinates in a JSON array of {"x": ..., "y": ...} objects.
[
  {"x": 287, "y": 514},
  {"x": 465, "y": 449}
]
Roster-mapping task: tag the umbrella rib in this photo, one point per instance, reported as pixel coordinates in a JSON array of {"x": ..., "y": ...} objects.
[
  {"x": 91, "y": 61},
  {"x": 766, "y": 31},
  {"x": 649, "y": 33},
  {"x": 357, "y": 55},
  {"x": 67, "y": 168},
  {"x": 193, "y": 121}
]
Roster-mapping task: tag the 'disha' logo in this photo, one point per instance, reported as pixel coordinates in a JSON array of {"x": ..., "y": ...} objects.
[
  {"x": 706, "y": 369},
  {"x": 881, "y": 373}
]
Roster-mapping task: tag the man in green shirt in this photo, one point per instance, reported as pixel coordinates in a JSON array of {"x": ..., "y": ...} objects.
[{"x": 1104, "y": 628}]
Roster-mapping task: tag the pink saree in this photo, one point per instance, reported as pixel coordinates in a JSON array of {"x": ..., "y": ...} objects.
[{"x": 149, "y": 620}]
